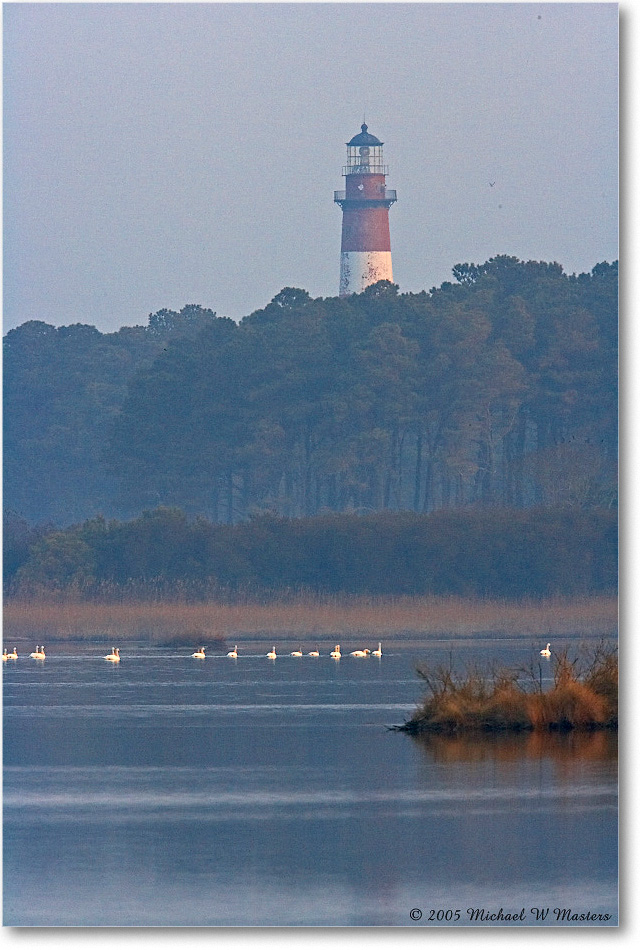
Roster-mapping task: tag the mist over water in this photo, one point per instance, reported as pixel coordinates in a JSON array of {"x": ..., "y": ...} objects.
[{"x": 174, "y": 791}]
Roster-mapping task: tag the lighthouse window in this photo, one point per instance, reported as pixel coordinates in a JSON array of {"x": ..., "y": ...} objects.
[{"x": 365, "y": 159}]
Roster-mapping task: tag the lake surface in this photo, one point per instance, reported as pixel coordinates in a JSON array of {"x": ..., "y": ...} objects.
[{"x": 172, "y": 791}]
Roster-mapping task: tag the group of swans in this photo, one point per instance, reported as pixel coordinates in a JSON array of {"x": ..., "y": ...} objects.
[
  {"x": 336, "y": 653},
  {"x": 114, "y": 656},
  {"x": 39, "y": 654}
]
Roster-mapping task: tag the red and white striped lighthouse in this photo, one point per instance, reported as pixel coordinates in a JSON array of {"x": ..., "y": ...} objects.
[{"x": 365, "y": 235}]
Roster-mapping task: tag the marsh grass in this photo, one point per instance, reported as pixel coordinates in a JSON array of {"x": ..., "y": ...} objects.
[
  {"x": 162, "y": 621},
  {"x": 584, "y": 695}
]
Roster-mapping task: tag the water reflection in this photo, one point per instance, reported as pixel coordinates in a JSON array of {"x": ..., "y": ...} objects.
[{"x": 565, "y": 749}]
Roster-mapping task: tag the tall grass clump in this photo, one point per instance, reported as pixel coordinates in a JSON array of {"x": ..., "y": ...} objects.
[{"x": 583, "y": 696}]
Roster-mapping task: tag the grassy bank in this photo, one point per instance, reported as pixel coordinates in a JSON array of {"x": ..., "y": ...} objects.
[
  {"x": 318, "y": 617},
  {"x": 584, "y": 695}
]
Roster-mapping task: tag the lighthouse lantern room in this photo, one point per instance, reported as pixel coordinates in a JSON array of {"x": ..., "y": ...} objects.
[{"x": 365, "y": 234}]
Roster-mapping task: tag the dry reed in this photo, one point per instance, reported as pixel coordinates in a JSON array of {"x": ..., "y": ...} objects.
[
  {"x": 503, "y": 699},
  {"x": 306, "y": 616}
]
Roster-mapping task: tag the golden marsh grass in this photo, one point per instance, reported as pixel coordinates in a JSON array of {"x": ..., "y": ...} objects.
[
  {"x": 584, "y": 695},
  {"x": 306, "y": 616}
]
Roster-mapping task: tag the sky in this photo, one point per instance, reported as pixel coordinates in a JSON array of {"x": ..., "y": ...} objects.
[{"x": 158, "y": 155}]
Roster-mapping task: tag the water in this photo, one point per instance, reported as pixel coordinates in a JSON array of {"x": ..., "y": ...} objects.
[{"x": 172, "y": 791}]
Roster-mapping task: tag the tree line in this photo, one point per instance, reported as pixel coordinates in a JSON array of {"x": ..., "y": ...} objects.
[
  {"x": 498, "y": 389},
  {"x": 498, "y": 553}
]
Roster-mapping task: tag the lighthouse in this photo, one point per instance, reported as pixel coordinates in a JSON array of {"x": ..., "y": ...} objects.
[{"x": 365, "y": 233}]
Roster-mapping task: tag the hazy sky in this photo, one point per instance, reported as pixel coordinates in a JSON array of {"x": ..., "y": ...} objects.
[{"x": 164, "y": 154}]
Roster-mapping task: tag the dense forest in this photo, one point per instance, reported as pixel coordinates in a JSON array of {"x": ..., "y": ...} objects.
[
  {"x": 63, "y": 389},
  {"x": 498, "y": 389},
  {"x": 163, "y": 554}
]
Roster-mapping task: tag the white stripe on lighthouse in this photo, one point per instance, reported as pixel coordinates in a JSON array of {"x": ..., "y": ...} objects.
[{"x": 359, "y": 269}]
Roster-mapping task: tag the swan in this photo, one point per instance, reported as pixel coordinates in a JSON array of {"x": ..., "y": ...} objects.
[
  {"x": 200, "y": 654},
  {"x": 114, "y": 656},
  {"x": 296, "y": 652},
  {"x": 272, "y": 654},
  {"x": 360, "y": 653},
  {"x": 377, "y": 652},
  {"x": 5, "y": 655},
  {"x": 313, "y": 653},
  {"x": 547, "y": 651},
  {"x": 14, "y": 655},
  {"x": 336, "y": 653},
  {"x": 39, "y": 653},
  {"x": 233, "y": 653}
]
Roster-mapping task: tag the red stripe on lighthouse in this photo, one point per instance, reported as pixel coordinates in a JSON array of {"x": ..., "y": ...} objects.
[{"x": 365, "y": 229}]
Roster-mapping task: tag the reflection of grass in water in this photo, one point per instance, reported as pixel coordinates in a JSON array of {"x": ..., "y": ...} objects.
[
  {"x": 583, "y": 696},
  {"x": 507, "y": 746},
  {"x": 305, "y": 615}
]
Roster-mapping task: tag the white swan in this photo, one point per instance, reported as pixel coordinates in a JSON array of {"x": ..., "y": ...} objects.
[
  {"x": 547, "y": 651},
  {"x": 39, "y": 653},
  {"x": 377, "y": 652},
  {"x": 336, "y": 653},
  {"x": 296, "y": 652},
  {"x": 114, "y": 656},
  {"x": 233, "y": 653},
  {"x": 14, "y": 655},
  {"x": 272, "y": 654},
  {"x": 5, "y": 655},
  {"x": 200, "y": 654},
  {"x": 313, "y": 653},
  {"x": 360, "y": 653}
]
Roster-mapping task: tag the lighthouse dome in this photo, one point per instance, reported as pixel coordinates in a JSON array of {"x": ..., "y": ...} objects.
[{"x": 364, "y": 138}]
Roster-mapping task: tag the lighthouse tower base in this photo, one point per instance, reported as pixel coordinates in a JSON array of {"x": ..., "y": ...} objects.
[{"x": 359, "y": 269}]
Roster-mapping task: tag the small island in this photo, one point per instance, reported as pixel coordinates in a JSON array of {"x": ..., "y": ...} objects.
[{"x": 583, "y": 696}]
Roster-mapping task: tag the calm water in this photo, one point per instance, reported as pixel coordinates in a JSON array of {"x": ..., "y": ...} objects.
[{"x": 172, "y": 791}]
